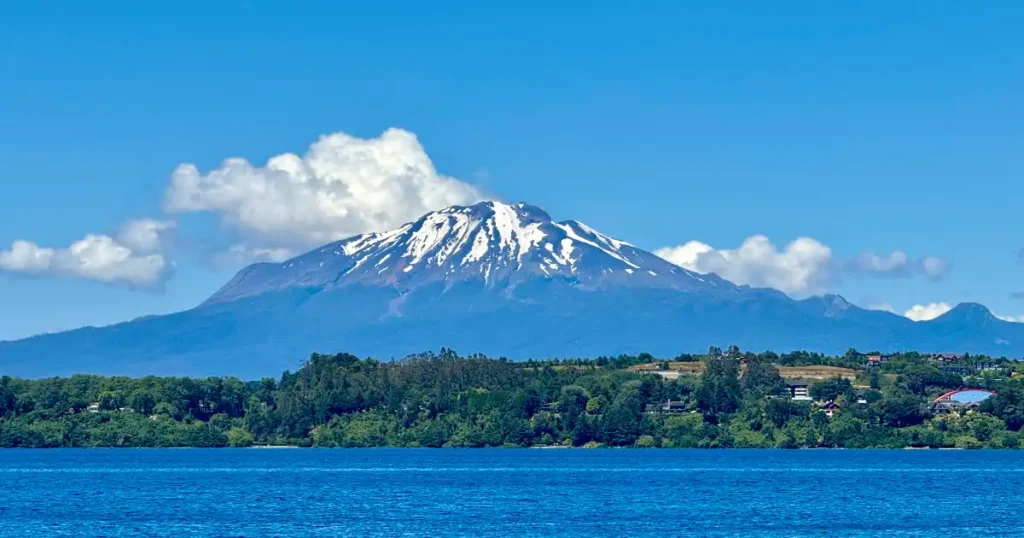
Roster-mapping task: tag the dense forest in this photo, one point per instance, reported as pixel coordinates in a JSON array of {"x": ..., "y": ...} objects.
[{"x": 444, "y": 400}]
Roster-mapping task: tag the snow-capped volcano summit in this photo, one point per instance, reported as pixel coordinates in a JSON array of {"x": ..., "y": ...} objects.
[{"x": 499, "y": 244}]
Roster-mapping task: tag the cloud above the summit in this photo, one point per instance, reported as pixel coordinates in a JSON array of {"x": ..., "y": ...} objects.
[
  {"x": 341, "y": 186},
  {"x": 802, "y": 267}
]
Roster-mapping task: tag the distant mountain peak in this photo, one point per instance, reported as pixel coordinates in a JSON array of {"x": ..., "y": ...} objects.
[
  {"x": 968, "y": 313},
  {"x": 836, "y": 301},
  {"x": 497, "y": 244},
  {"x": 836, "y": 305}
]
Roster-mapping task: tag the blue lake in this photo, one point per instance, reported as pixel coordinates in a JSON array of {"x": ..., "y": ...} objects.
[{"x": 409, "y": 492}]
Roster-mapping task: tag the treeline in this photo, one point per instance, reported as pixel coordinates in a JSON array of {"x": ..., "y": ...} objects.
[
  {"x": 443, "y": 400},
  {"x": 853, "y": 358}
]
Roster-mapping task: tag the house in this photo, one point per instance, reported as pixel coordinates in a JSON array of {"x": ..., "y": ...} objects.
[
  {"x": 953, "y": 368},
  {"x": 677, "y": 406},
  {"x": 878, "y": 360},
  {"x": 93, "y": 407},
  {"x": 798, "y": 391},
  {"x": 947, "y": 357},
  {"x": 667, "y": 374},
  {"x": 947, "y": 408},
  {"x": 830, "y": 408},
  {"x": 959, "y": 401},
  {"x": 985, "y": 366}
]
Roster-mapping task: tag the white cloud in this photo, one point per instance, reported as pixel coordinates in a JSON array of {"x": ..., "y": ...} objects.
[
  {"x": 928, "y": 311},
  {"x": 144, "y": 235},
  {"x": 244, "y": 255},
  {"x": 802, "y": 267},
  {"x": 342, "y": 186},
  {"x": 27, "y": 257},
  {"x": 1012, "y": 319},
  {"x": 687, "y": 255},
  {"x": 129, "y": 260}
]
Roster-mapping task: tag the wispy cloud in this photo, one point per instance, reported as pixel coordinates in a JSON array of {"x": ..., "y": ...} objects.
[
  {"x": 883, "y": 307},
  {"x": 896, "y": 264}
]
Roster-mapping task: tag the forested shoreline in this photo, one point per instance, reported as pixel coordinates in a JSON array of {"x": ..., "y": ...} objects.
[{"x": 738, "y": 400}]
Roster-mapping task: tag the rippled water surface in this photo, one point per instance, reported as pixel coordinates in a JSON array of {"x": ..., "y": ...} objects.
[{"x": 399, "y": 492}]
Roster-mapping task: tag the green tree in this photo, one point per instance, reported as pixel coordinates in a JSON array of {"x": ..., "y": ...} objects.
[
  {"x": 7, "y": 400},
  {"x": 832, "y": 389},
  {"x": 719, "y": 391},
  {"x": 621, "y": 424},
  {"x": 142, "y": 401},
  {"x": 898, "y": 410},
  {"x": 239, "y": 438},
  {"x": 645, "y": 441},
  {"x": 761, "y": 378},
  {"x": 110, "y": 400},
  {"x": 873, "y": 379},
  {"x": 686, "y": 431},
  {"x": 917, "y": 377},
  {"x": 1007, "y": 404},
  {"x": 779, "y": 411}
]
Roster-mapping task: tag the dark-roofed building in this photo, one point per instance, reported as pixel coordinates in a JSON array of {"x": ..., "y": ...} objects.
[
  {"x": 955, "y": 368},
  {"x": 798, "y": 391},
  {"x": 830, "y": 408},
  {"x": 674, "y": 406},
  {"x": 985, "y": 366}
]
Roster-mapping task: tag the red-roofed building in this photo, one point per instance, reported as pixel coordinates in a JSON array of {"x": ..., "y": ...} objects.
[
  {"x": 961, "y": 400},
  {"x": 878, "y": 360}
]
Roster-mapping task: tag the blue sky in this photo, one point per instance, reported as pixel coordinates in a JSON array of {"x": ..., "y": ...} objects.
[{"x": 888, "y": 133}]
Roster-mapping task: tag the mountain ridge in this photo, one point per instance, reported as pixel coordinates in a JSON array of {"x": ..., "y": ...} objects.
[{"x": 501, "y": 279}]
